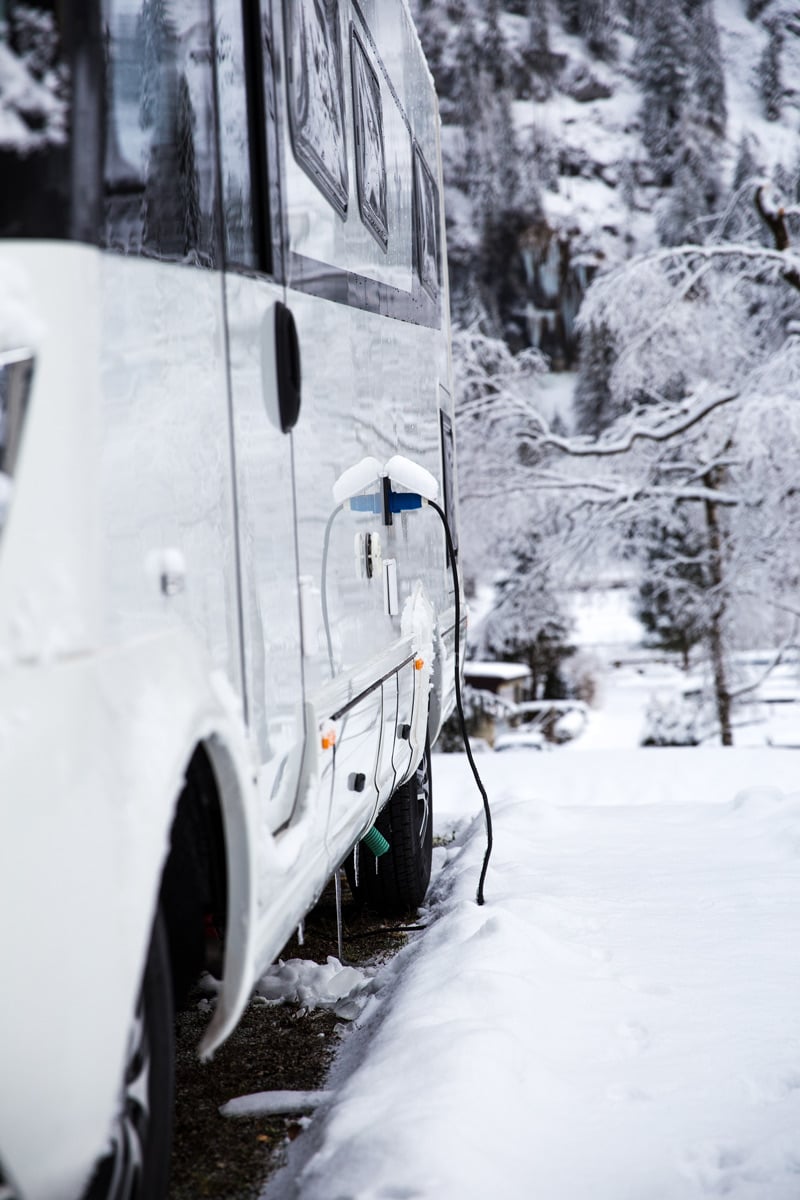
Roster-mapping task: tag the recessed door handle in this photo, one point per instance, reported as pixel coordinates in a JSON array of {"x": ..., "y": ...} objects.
[{"x": 287, "y": 367}]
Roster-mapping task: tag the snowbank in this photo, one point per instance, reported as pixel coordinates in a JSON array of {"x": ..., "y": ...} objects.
[{"x": 619, "y": 1021}]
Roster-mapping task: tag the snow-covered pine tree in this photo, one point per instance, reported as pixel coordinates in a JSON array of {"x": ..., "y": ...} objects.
[
  {"x": 483, "y": 110},
  {"x": 467, "y": 54},
  {"x": 629, "y": 11},
  {"x": 494, "y": 49},
  {"x": 694, "y": 194},
  {"x": 683, "y": 113},
  {"x": 675, "y": 582},
  {"x": 538, "y": 32},
  {"x": 594, "y": 20},
  {"x": 739, "y": 221},
  {"x": 748, "y": 169},
  {"x": 503, "y": 202},
  {"x": 570, "y": 15},
  {"x": 662, "y": 60},
  {"x": 769, "y": 74},
  {"x": 542, "y": 165},
  {"x": 593, "y": 402},
  {"x": 597, "y": 23},
  {"x": 708, "y": 76},
  {"x": 527, "y": 622},
  {"x": 540, "y": 61}
]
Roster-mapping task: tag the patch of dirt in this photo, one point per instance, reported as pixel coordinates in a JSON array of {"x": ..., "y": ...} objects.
[{"x": 273, "y": 1048}]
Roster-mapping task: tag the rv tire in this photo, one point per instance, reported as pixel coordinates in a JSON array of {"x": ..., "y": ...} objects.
[
  {"x": 137, "y": 1165},
  {"x": 395, "y": 884}
]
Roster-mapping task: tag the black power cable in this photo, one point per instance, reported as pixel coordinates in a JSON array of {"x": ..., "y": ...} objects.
[{"x": 459, "y": 703}]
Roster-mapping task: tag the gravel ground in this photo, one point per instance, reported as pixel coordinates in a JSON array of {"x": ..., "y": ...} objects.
[{"x": 272, "y": 1048}]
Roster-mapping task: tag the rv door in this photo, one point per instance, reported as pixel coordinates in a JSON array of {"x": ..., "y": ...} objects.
[{"x": 265, "y": 396}]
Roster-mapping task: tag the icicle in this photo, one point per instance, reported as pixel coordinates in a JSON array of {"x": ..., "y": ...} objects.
[{"x": 337, "y": 878}]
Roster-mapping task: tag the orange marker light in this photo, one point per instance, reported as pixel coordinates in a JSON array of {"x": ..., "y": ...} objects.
[
  {"x": 419, "y": 663},
  {"x": 329, "y": 739}
]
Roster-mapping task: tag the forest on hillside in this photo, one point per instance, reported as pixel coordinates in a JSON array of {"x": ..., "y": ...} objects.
[{"x": 623, "y": 203}]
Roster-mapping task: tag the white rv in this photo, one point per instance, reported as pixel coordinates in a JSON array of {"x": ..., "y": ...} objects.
[{"x": 227, "y": 614}]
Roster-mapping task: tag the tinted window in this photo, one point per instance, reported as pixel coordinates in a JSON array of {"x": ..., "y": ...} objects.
[
  {"x": 269, "y": 71},
  {"x": 160, "y": 171},
  {"x": 370, "y": 152},
  {"x": 35, "y": 91},
  {"x": 426, "y": 224},
  {"x": 316, "y": 95},
  {"x": 237, "y": 190},
  {"x": 50, "y": 69}
]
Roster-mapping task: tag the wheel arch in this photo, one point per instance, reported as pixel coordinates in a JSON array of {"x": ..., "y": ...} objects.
[
  {"x": 238, "y": 965},
  {"x": 208, "y": 884}
]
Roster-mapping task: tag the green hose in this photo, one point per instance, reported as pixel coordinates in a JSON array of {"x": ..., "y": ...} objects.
[{"x": 374, "y": 840}]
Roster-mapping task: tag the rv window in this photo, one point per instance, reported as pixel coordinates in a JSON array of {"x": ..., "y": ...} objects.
[
  {"x": 316, "y": 95},
  {"x": 34, "y": 78},
  {"x": 370, "y": 152},
  {"x": 160, "y": 172},
  {"x": 35, "y": 121},
  {"x": 426, "y": 223},
  {"x": 237, "y": 193}
]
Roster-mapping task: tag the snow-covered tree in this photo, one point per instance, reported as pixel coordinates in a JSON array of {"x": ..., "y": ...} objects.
[
  {"x": 594, "y": 404},
  {"x": 539, "y": 33},
  {"x": 675, "y": 580},
  {"x": 496, "y": 411},
  {"x": 597, "y": 24},
  {"x": 669, "y": 349},
  {"x": 509, "y": 532},
  {"x": 662, "y": 59},
  {"x": 500, "y": 192},
  {"x": 739, "y": 220},
  {"x": 708, "y": 82},
  {"x": 683, "y": 110},
  {"x": 748, "y": 168},
  {"x": 594, "y": 20},
  {"x": 518, "y": 533},
  {"x": 707, "y": 371},
  {"x": 527, "y": 622},
  {"x": 769, "y": 74},
  {"x": 684, "y": 207},
  {"x": 570, "y": 14}
]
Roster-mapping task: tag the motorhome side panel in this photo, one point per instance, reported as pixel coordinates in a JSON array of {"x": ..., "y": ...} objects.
[{"x": 373, "y": 339}]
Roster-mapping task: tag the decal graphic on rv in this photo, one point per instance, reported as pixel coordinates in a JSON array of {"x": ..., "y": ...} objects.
[{"x": 227, "y": 617}]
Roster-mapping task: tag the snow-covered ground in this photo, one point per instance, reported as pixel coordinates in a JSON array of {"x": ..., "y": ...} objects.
[{"x": 620, "y": 1020}]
